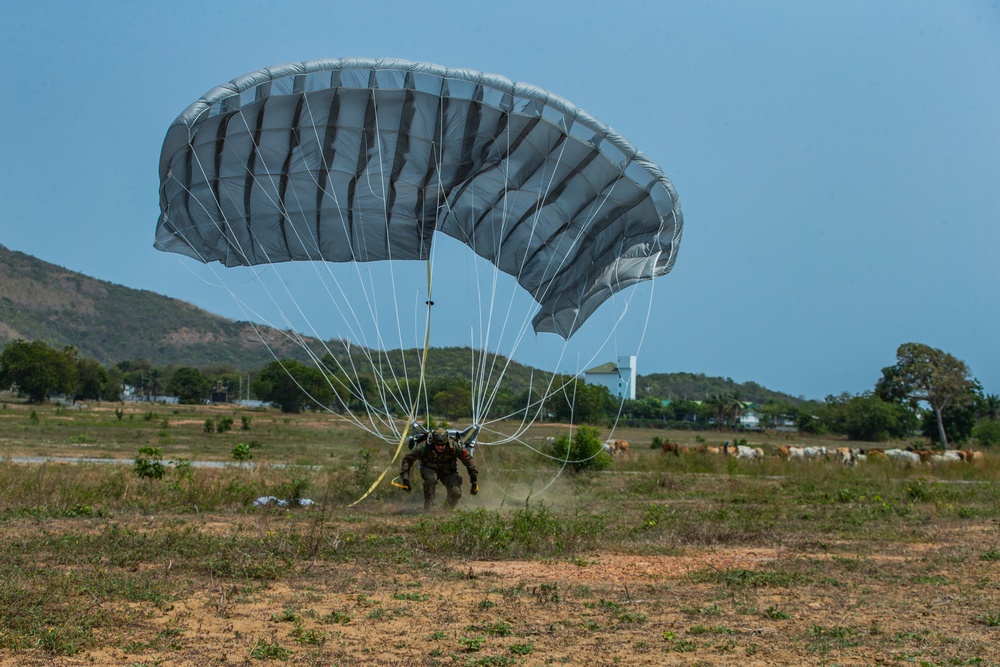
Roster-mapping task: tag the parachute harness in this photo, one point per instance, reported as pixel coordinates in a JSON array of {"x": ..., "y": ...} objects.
[{"x": 413, "y": 408}]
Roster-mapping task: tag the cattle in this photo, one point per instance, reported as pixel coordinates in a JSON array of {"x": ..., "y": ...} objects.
[
  {"x": 951, "y": 456},
  {"x": 903, "y": 456},
  {"x": 796, "y": 452},
  {"x": 745, "y": 452},
  {"x": 673, "y": 448},
  {"x": 849, "y": 456}
]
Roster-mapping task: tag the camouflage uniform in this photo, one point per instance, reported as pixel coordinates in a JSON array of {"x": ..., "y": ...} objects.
[{"x": 440, "y": 466}]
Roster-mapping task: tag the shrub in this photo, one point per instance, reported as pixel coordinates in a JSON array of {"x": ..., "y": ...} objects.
[
  {"x": 987, "y": 434},
  {"x": 149, "y": 463},
  {"x": 584, "y": 451}
]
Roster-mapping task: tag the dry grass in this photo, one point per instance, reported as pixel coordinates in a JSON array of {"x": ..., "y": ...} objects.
[{"x": 664, "y": 560}]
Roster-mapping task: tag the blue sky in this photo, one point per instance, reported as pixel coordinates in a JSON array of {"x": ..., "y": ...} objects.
[{"x": 838, "y": 163}]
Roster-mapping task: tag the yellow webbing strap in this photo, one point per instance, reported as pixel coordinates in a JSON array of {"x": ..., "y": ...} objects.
[{"x": 420, "y": 384}]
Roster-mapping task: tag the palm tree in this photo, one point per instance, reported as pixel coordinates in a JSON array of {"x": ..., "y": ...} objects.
[
  {"x": 735, "y": 407},
  {"x": 155, "y": 378},
  {"x": 991, "y": 407},
  {"x": 721, "y": 404}
]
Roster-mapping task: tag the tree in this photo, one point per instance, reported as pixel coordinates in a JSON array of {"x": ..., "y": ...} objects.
[
  {"x": 989, "y": 407},
  {"x": 926, "y": 374},
  {"x": 37, "y": 369},
  {"x": 581, "y": 403},
  {"x": 959, "y": 420},
  {"x": 189, "y": 385},
  {"x": 291, "y": 385},
  {"x": 93, "y": 381},
  {"x": 866, "y": 417}
]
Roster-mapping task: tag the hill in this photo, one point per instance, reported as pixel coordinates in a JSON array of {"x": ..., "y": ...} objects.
[
  {"x": 698, "y": 387},
  {"x": 112, "y": 323}
]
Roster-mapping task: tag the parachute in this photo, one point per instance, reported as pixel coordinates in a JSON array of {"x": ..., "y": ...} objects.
[
  {"x": 279, "y": 165},
  {"x": 367, "y": 162}
]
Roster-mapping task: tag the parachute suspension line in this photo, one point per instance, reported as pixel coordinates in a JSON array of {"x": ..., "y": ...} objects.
[
  {"x": 522, "y": 330},
  {"x": 355, "y": 388},
  {"x": 413, "y": 410}
]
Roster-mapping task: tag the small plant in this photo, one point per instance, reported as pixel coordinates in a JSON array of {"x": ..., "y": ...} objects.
[
  {"x": 119, "y": 414},
  {"x": 992, "y": 554},
  {"x": 411, "y": 597},
  {"x": 312, "y": 637},
  {"x": 775, "y": 613},
  {"x": 244, "y": 423},
  {"x": 632, "y": 617},
  {"x": 486, "y": 604},
  {"x": 437, "y": 635},
  {"x": 149, "y": 463},
  {"x": 209, "y": 426},
  {"x": 287, "y": 616},
  {"x": 990, "y": 620},
  {"x": 522, "y": 649},
  {"x": 364, "y": 469},
  {"x": 265, "y": 650},
  {"x": 472, "y": 644},
  {"x": 341, "y": 617},
  {"x": 918, "y": 491},
  {"x": 224, "y": 424},
  {"x": 33, "y": 416},
  {"x": 495, "y": 629},
  {"x": 241, "y": 453}
]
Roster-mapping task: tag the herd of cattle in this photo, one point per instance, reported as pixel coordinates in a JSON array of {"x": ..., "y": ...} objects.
[{"x": 845, "y": 455}]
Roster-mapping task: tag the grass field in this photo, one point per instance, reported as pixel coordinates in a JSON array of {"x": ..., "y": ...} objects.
[{"x": 661, "y": 560}]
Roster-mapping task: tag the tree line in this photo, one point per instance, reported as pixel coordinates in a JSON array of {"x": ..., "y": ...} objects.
[{"x": 927, "y": 391}]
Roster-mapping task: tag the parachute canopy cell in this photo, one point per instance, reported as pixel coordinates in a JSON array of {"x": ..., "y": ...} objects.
[{"x": 359, "y": 160}]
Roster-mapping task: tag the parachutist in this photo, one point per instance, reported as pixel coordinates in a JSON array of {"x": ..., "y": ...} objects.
[{"x": 439, "y": 455}]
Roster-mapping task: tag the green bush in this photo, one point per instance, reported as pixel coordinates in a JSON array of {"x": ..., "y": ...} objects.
[
  {"x": 584, "y": 451},
  {"x": 987, "y": 434}
]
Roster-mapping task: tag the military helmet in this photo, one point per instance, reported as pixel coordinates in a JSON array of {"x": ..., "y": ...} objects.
[{"x": 439, "y": 437}]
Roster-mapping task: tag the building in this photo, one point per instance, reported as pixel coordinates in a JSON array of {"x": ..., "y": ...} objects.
[{"x": 619, "y": 378}]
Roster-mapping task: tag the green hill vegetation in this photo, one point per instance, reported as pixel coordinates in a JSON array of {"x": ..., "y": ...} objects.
[{"x": 112, "y": 323}]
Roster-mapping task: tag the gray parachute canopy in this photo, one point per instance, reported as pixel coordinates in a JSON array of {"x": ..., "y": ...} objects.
[{"x": 357, "y": 160}]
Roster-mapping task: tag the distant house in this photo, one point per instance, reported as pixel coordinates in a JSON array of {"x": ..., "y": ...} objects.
[
  {"x": 619, "y": 378},
  {"x": 749, "y": 419}
]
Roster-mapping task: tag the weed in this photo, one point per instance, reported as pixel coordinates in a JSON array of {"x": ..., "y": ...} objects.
[
  {"x": 336, "y": 616},
  {"x": 989, "y": 620},
  {"x": 265, "y": 650},
  {"x": 310, "y": 637},
  {"x": 287, "y": 616},
  {"x": 632, "y": 617},
  {"x": 495, "y": 629},
  {"x": 776, "y": 614},
  {"x": 472, "y": 644},
  {"x": 522, "y": 649},
  {"x": 411, "y": 597}
]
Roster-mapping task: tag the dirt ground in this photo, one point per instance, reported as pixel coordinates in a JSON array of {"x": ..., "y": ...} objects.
[{"x": 928, "y": 603}]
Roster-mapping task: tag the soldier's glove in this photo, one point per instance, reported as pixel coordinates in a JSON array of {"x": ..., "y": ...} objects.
[
  {"x": 475, "y": 488},
  {"x": 405, "y": 485}
]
